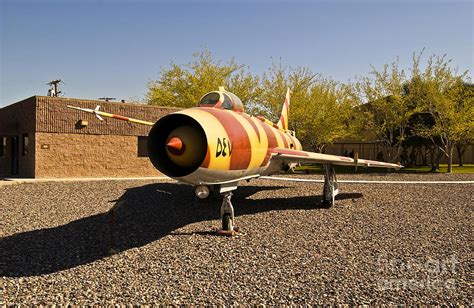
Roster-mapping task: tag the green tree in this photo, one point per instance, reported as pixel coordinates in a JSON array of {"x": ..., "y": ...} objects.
[
  {"x": 447, "y": 98},
  {"x": 184, "y": 85},
  {"x": 320, "y": 109},
  {"x": 274, "y": 84},
  {"x": 468, "y": 138},
  {"x": 246, "y": 86},
  {"x": 388, "y": 111},
  {"x": 323, "y": 114}
]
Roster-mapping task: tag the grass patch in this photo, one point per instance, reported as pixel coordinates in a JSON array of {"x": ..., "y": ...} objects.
[
  {"x": 467, "y": 168},
  {"x": 318, "y": 169}
]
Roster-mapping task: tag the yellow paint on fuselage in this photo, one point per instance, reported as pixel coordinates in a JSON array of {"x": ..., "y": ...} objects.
[{"x": 278, "y": 137}]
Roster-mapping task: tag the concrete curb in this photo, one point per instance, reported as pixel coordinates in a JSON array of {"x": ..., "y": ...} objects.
[
  {"x": 277, "y": 178},
  {"x": 23, "y": 180}
]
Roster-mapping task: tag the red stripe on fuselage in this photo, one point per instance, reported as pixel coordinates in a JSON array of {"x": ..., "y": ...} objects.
[
  {"x": 272, "y": 142},
  {"x": 240, "y": 142}
]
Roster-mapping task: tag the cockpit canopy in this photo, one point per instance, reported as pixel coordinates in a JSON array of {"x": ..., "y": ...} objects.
[{"x": 222, "y": 99}]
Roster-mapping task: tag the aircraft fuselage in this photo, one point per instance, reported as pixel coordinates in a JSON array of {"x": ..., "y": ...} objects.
[{"x": 223, "y": 145}]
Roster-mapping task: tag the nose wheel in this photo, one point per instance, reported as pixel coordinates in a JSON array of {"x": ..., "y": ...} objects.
[{"x": 227, "y": 216}]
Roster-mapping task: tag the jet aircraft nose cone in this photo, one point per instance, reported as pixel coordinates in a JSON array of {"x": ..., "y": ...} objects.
[{"x": 175, "y": 145}]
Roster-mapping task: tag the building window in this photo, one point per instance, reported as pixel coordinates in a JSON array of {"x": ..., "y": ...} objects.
[
  {"x": 3, "y": 145},
  {"x": 25, "y": 144},
  {"x": 142, "y": 146}
]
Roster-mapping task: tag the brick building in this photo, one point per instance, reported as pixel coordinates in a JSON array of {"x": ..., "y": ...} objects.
[{"x": 41, "y": 138}]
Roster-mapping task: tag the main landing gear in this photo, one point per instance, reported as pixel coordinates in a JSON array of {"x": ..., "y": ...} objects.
[{"x": 330, "y": 189}]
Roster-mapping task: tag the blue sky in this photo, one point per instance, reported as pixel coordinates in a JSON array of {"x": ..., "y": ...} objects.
[{"x": 113, "y": 48}]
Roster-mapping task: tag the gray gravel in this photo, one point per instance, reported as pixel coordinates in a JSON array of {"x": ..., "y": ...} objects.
[{"x": 380, "y": 243}]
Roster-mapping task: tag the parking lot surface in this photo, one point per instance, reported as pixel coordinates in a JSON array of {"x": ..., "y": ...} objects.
[{"x": 398, "y": 243}]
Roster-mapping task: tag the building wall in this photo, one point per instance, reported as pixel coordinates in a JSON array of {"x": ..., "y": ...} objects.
[
  {"x": 469, "y": 155},
  {"x": 53, "y": 116},
  {"x": 26, "y": 160},
  {"x": 4, "y": 158},
  {"x": 18, "y": 120},
  {"x": 26, "y": 164},
  {"x": 78, "y": 155}
]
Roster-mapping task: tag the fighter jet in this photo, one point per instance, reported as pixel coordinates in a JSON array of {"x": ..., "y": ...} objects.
[{"x": 216, "y": 145}]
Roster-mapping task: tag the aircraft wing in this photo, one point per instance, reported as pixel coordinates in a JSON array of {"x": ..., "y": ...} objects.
[{"x": 295, "y": 156}]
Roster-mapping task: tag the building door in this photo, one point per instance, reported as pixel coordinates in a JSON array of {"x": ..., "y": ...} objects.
[{"x": 15, "y": 153}]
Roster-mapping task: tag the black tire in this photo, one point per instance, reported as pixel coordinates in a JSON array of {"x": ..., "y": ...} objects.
[{"x": 325, "y": 204}]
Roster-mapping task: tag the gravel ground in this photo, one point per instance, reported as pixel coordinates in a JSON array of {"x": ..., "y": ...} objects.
[{"x": 381, "y": 243}]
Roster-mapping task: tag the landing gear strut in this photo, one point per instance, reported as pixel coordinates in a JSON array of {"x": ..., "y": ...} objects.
[
  {"x": 227, "y": 216},
  {"x": 330, "y": 189}
]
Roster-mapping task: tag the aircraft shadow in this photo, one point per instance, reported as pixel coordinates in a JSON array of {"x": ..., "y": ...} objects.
[{"x": 141, "y": 216}]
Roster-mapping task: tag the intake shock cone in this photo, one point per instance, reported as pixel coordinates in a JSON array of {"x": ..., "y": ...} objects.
[
  {"x": 177, "y": 145},
  {"x": 183, "y": 146}
]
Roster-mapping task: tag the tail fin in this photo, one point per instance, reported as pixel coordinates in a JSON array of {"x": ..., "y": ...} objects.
[{"x": 283, "y": 122}]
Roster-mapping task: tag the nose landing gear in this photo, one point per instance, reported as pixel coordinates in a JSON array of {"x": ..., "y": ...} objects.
[{"x": 227, "y": 216}]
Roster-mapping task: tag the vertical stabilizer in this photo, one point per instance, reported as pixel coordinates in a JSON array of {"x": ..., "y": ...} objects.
[{"x": 283, "y": 122}]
